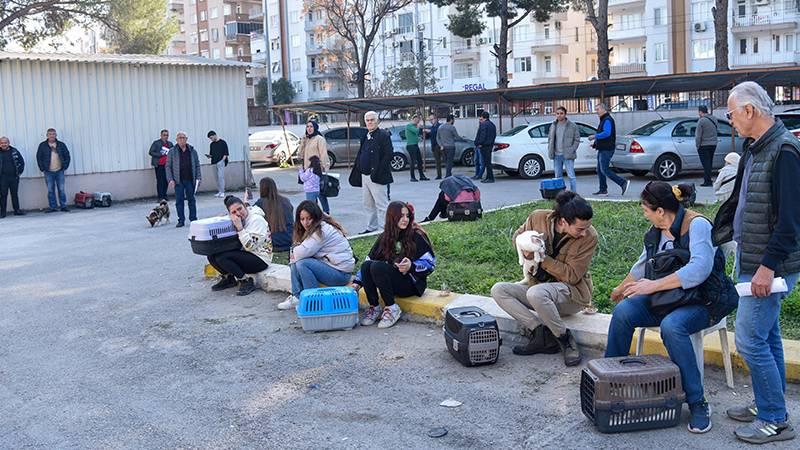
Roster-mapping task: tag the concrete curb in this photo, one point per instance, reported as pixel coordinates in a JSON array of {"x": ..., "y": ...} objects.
[{"x": 590, "y": 330}]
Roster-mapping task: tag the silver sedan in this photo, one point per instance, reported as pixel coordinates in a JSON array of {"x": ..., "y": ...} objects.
[{"x": 667, "y": 148}]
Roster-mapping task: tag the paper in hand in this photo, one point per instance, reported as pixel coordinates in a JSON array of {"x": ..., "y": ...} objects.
[
  {"x": 196, "y": 185},
  {"x": 746, "y": 289}
]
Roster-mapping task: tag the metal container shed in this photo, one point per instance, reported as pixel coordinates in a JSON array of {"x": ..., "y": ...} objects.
[{"x": 109, "y": 108}]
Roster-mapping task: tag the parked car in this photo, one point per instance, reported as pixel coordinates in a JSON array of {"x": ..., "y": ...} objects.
[
  {"x": 666, "y": 147},
  {"x": 464, "y": 154},
  {"x": 791, "y": 120},
  {"x": 522, "y": 150},
  {"x": 685, "y": 104},
  {"x": 337, "y": 139},
  {"x": 271, "y": 146}
]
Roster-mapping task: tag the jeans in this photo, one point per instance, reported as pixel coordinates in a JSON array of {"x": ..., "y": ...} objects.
[
  {"x": 220, "y": 172},
  {"x": 316, "y": 197},
  {"x": 486, "y": 161},
  {"x": 9, "y": 183},
  {"x": 758, "y": 340},
  {"x": 449, "y": 154},
  {"x": 706, "y": 153},
  {"x": 676, "y": 327},
  {"x": 438, "y": 154},
  {"x": 237, "y": 263},
  {"x": 558, "y": 166},
  {"x": 55, "y": 180},
  {"x": 414, "y": 157},
  {"x": 161, "y": 182},
  {"x": 308, "y": 273},
  {"x": 603, "y": 170},
  {"x": 185, "y": 189},
  {"x": 478, "y": 163}
]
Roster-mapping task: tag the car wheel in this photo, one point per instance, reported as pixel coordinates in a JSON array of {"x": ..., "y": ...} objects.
[
  {"x": 667, "y": 167},
  {"x": 639, "y": 173},
  {"x": 511, "y": 173},
  {"x": 332, "y": 159},
  {"x": 399, "y": 161},
  {"x": 468, "y": 157},
  {"x": 531, "y": 166}
]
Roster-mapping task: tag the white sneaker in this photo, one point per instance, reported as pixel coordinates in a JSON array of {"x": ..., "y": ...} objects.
[
  {"x": 390, "y": 316},
  {"x": 291, "y": 302},
  {"x": 221, "y": 195},
  {"x": 371, "y": 316}
]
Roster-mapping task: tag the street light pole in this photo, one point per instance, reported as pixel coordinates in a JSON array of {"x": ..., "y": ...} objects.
[
  {"x": 268, "y": 61},
  {"x": 421, "y": 54}
]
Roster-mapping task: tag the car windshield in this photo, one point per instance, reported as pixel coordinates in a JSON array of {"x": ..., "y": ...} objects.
[
  {"x": 650, "y": 128},
  {"x": 791, "y": 121},
  {"x": 514, "y": 130}
]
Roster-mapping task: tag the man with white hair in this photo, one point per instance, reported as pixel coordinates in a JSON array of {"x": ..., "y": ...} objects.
[
  {"x": 372, "y": 171},
  {"x": 763, "y": 217},
  {"x": 183, "y": 173}
]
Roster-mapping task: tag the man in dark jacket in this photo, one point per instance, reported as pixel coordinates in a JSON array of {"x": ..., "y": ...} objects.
[
  {"x": 372, "y": 171},
  {"x": 763, "y": 217},
  {"x": 218, "y": 153},
  {"x": 436, "y": 148},
  {"x": 11, "y": 167},
  {"x": 53, "y": 159},
  {"x": 605, "y": 142},
  {"x": 158, "y": 159},
  {"x": 484, "y": 141},
  {"x": 183, "y": 172}
]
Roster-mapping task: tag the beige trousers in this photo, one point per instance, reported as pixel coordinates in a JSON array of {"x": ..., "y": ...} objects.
[{"x": 540, "y": 304}]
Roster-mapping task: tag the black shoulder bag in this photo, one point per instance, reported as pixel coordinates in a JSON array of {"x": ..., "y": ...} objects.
[{"x": 663, "y": 264}]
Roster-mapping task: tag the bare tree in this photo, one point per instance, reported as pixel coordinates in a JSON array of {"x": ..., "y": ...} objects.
[
  {"x": 357, "y": 23},
  {"x": 720, "y": 11},
  {"x": 597, "y": 15},
  {"x": 29, "y": 21}
]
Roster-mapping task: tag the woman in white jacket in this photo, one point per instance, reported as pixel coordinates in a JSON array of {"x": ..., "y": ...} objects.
[
  {"x": 723, "y": 185},
  {"x": 234, "y": 265},
  {"x": 321, "y": 253}
]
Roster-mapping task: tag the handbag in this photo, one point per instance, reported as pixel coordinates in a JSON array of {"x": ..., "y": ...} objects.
[
  {"x": 662, "y": 265},
  {"x": 328, "y": 186}
]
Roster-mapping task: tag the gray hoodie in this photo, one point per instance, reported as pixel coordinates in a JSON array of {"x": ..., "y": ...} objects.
[
  {"x": 447, "y": 135},
  {"x": 706, "y": 133},
  {"x": 332, "y": 248}
]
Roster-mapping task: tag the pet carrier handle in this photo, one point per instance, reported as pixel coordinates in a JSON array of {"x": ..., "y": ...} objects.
[
  {"x": 469, "y": 314},
  {"x": 632, "y": 361}
]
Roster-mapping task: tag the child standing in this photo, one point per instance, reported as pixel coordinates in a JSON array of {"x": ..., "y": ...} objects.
[{"x": 311, "y": 179}]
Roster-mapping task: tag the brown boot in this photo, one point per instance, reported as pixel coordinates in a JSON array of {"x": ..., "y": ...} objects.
[
  {"x": 572, "y": 357},
  {"x": 540, "y": 341}
]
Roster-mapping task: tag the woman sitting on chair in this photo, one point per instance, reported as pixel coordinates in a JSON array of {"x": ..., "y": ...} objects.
[{"x": 673, "y": 227}]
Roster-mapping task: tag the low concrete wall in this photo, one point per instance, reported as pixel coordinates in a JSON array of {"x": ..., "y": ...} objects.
[{"x": 127, "y": 185}]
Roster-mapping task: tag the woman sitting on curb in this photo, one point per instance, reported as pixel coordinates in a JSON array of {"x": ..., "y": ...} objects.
[
  {"x": 398, "y": 264},
  {"x": 321, "y": 253},
  {"x": 234, "y": 265},
  {"x": 673, "y": 226},
  {"x": 279, "y": 214}
]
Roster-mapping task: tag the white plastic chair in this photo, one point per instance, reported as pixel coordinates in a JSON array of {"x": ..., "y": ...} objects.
[{"x": 697, "y": 344}]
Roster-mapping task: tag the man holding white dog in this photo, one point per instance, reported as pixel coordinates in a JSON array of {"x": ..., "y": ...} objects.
[{"x": 561, "y": 284}]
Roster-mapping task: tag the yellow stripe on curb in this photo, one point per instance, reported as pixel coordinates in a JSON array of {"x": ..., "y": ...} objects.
[
  {"x": 430, "y": 305},
  {"x": 209, "y": 271}
]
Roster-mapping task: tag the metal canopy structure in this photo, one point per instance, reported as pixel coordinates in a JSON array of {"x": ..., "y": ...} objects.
[{"x": 687, "y": 82}]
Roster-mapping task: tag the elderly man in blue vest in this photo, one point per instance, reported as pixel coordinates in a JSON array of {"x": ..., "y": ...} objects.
[{"x": 763, "y": 217}]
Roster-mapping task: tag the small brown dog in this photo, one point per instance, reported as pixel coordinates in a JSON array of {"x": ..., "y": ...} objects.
[{"x": 159, "y": 214}]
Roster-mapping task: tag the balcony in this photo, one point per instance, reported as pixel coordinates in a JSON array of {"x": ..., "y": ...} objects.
[
  {"x": 314, "y": 49},
  {"x": 765, "y": 58},
  {"x": 628, "y": 70},
  {"x": 770, "y": 20},
  {"x": 464, "y": 53},
  {"x": 240, "y": 31},
  {"x": 312, "y": 25},
  {"x": 316, "y": 74},
  {"x": 175, "y": 6},
  {"x": 554, "y": 76},
  {"x": 620, "y": 5},
  {"x": 552, "y": 45},
  {"x": 628, "y": 35}
]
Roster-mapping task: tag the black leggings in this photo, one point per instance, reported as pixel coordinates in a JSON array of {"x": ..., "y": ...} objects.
[
  {"x": 379, "y": 275},
  {"x": 237, "y": 263},
  {"x": 439, "y": 208}
]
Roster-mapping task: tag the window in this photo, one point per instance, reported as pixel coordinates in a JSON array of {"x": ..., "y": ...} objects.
[
  {"x": 204, "y": 36},
  {"x": 193, "y": 19},
  {"x": 442, "y": 13},
  {"x": 273, "y": 21},
  {"x": 703, "y": 48},
  {"x": 193, "y": 38},
  {"x": 295, "y": 40},
  {"x": 298, "y": 86},
  {"x": 314, "y": 89},
  {"x": 547, "y": 31},
  {"x": 203, "y": 15},
  {"x": 633, "y": 55},
  {"x": 594, "y": 65},
  {"x": 586, "y": 130},
  {"x": 214, "y": 12},
  {"x": 238, "y": 9},
  {"x": 724, "y": 129},
  {"x": 542, "y": 131},
  {"x": 741, "y": 7},
  {"x": 444, "y": 41},
  {"x": 776, "y": 42},
  {"x": 443, "y": 72},
  {"x": 755, "y": 45},
  {"x": 405, "y": 22},
  {"x": 788, "y": 43},
  {"x": 240, "y": 51},
  {"x": 294, "y": 16},
  {"x": 204, "y": 54},
  {"x": 215, "y": 53},
  {"x": 226, "y": 9},
  {"x": 577, "y": 35},
  {"x": 229, "y": 52},
  {"x": 661, "y": 52},
  {"x": 548, "y": 64},
  {"x": 215, "y": 34},
  {"x": 577, "y": 64},
  {"x": 295, "y": 64},
  {"x": 742, "y": 46},
  {"x": 658, "y": 16},
  {"x": 521, "y": 33},
  {"x": 522, "y": 64},
  {"x": 463, "y": 70},
  {"x": 685, "y": 129},
  {"x": 701, "y": 10}
]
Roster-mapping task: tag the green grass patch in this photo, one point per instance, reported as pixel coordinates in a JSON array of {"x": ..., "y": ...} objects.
[{"x": 472, "y": 256}]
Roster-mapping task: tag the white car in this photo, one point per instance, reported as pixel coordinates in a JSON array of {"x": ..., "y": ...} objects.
[
  {"x": 522, "y": 150},
  {"x": 271, "y": 146}
]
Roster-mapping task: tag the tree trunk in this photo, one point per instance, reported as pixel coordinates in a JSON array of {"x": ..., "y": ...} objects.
[
  {"x": 603, "y": 50},
  {"x": 502, "y": 53},
  {"x": 721, "y": 34}
]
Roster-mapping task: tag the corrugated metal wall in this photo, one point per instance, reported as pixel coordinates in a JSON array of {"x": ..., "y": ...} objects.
[{"x": 108, "y": 114}]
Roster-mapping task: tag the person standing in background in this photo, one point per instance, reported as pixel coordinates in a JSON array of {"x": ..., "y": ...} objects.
[
  {"x": 218, "y": 154},
  {"x": 12, "y": 164},
  {"x": 484, "y": 141},
  {"x": 705, "y": 137},
  {"x": 53, "y": 159},
  {"x": 372, "y": 171},
  {"x": 438, "y": 152},
  {"x": 446, "y": 137},
  {"x": 183, "y": 173},
  {"x": 412, "y": 147},
  {"x": 158, "y": 159},
  {"x": 314, "y": 144},
  {"x": 605, "y": 142},
  {"x": 562, "y": 146}
]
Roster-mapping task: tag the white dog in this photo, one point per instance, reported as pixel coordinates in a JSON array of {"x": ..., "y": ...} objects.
[{"x": 532, "y": 242}]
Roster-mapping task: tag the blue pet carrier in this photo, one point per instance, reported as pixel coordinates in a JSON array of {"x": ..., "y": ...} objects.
[
  {"x": 551, "y": 188},
  {"x": 330, "y": 308}
]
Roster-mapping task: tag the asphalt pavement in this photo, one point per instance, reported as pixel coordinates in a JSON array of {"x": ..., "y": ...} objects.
[{"x": 111, "y": 338}]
